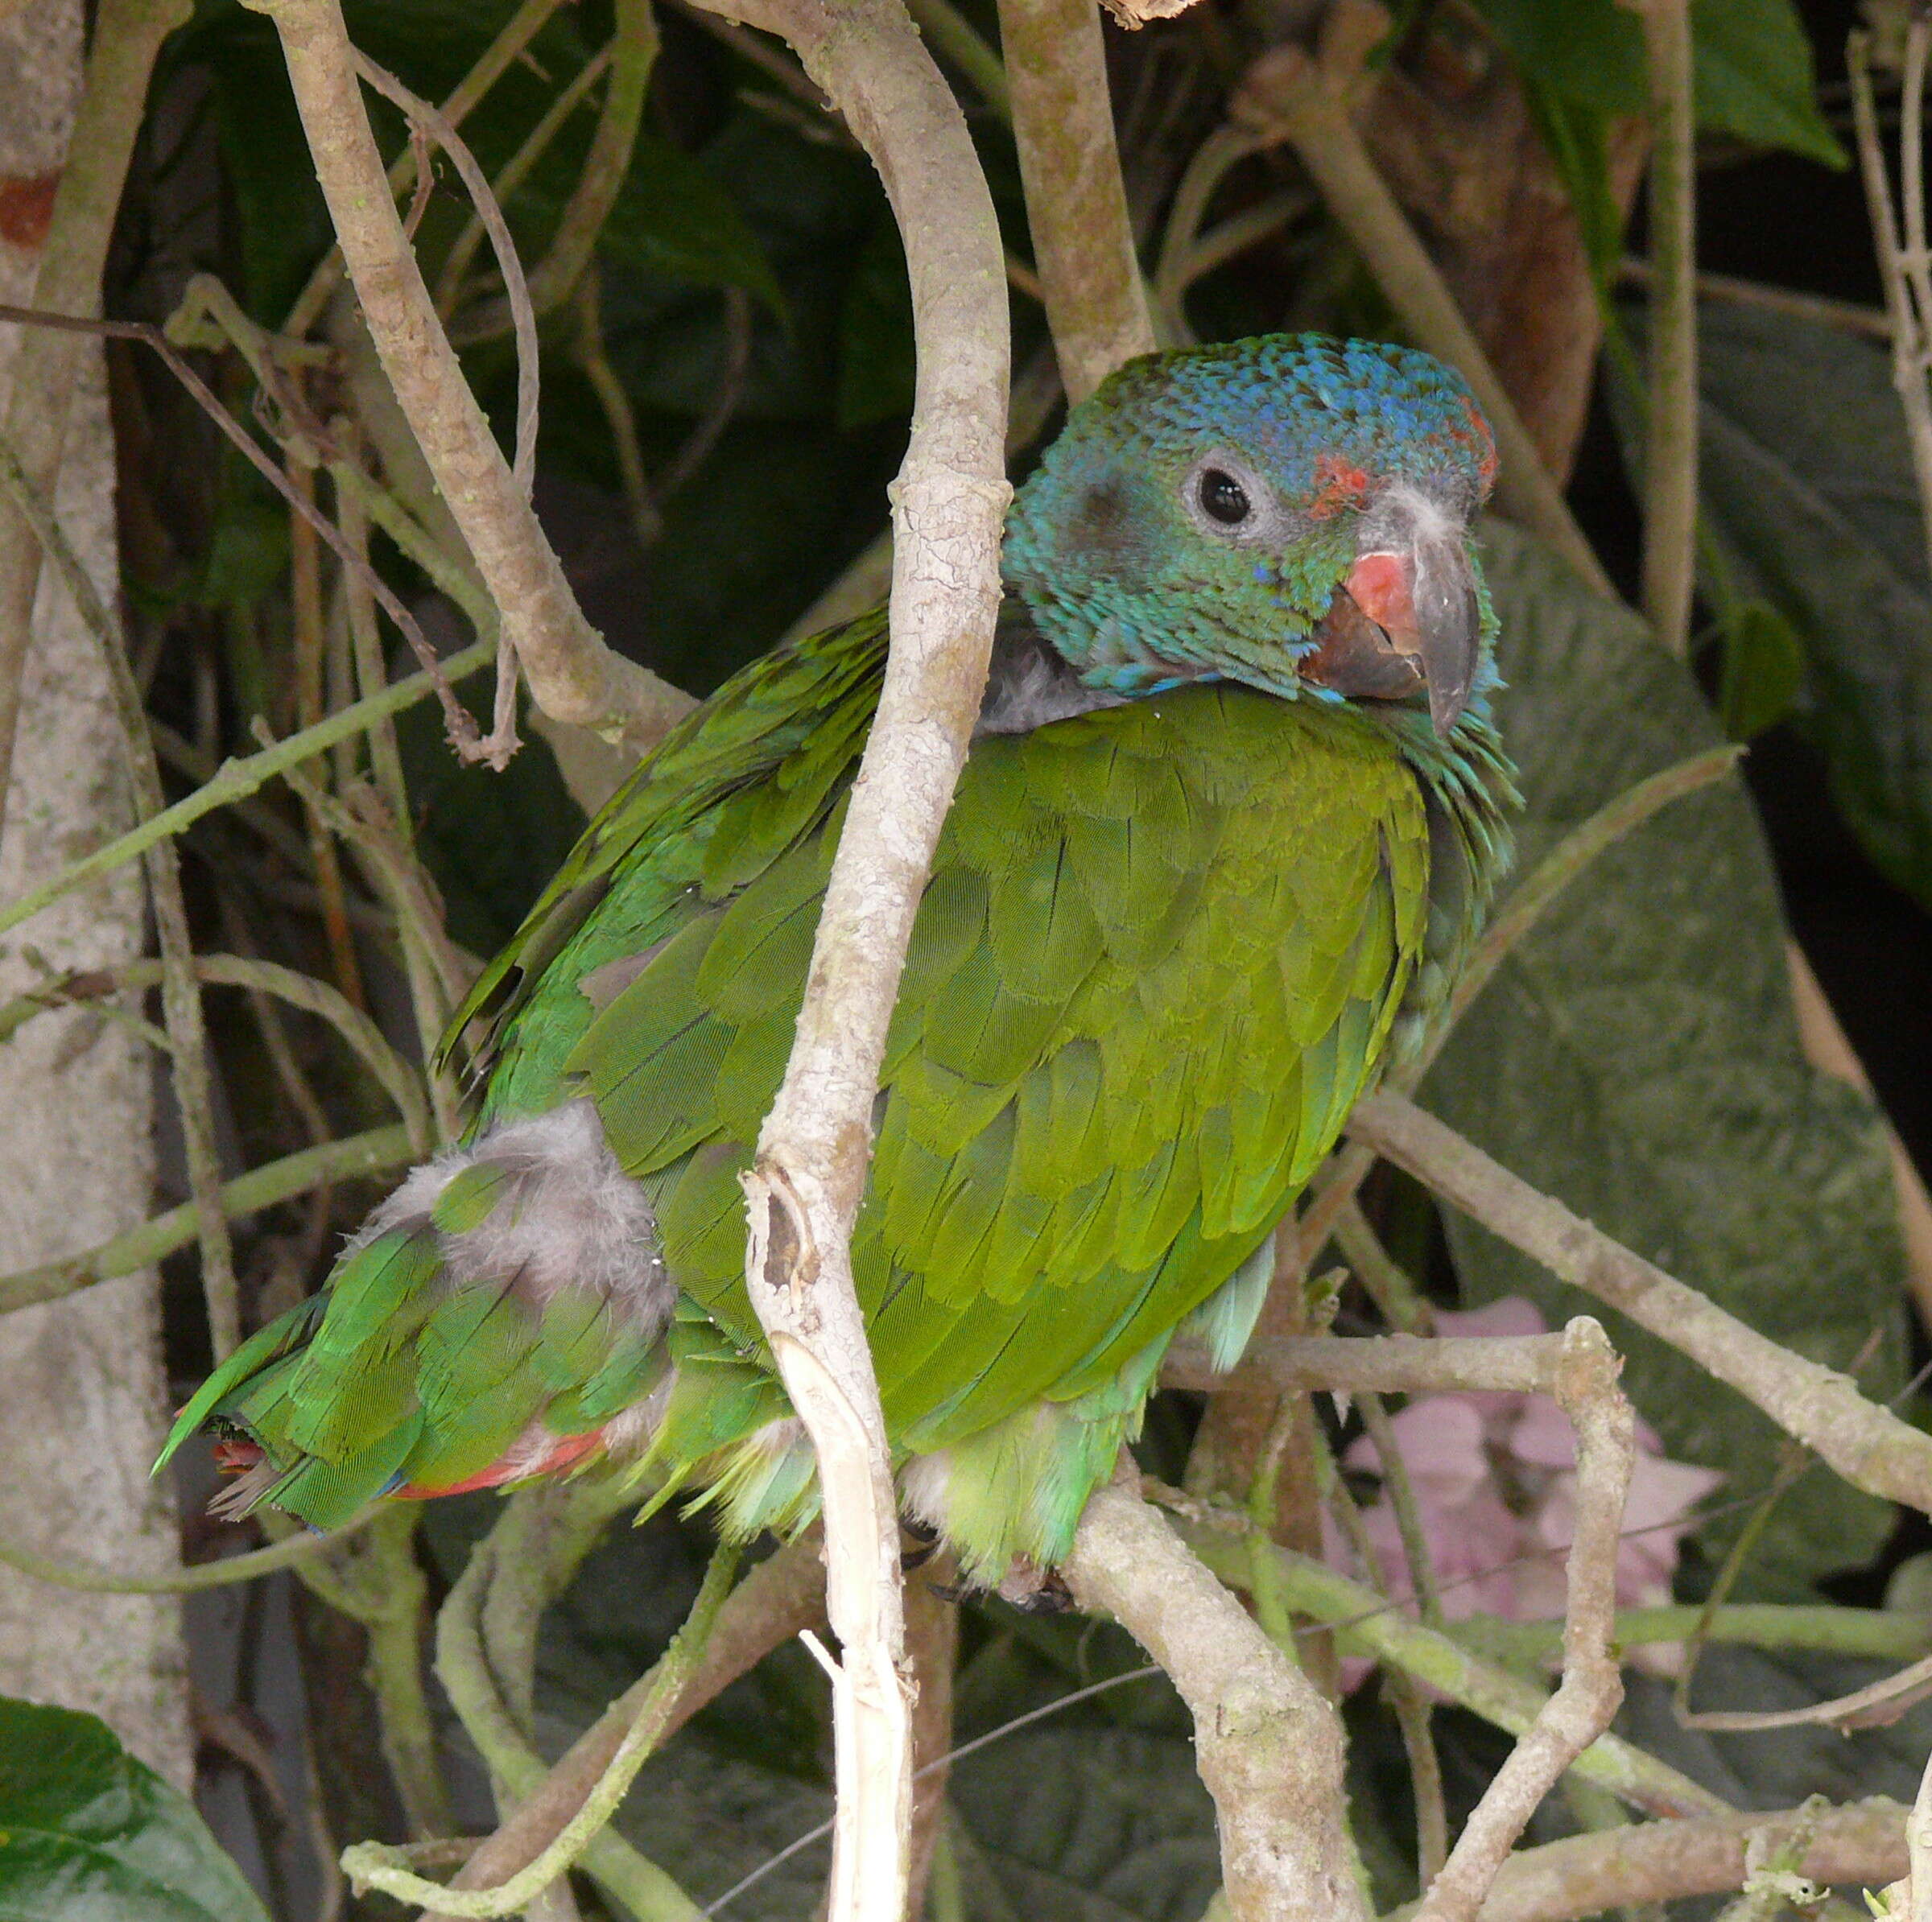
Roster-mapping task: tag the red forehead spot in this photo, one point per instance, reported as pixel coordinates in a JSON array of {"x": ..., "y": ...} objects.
[
  {"x": 1480, "y": 438},
  {"x": 1339, "y": 484}
]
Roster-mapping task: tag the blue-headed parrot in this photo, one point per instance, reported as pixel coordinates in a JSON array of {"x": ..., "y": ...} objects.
[{"x": 1233, "y": 805}]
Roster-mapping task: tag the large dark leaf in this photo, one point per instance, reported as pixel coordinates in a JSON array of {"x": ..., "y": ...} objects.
[
  {"x": 88, "y": 1834},
  {"x": 1807, "y": 482},
  {"x": 1637, "y": 1057},
  {"x": 1085, "y": 1825}
]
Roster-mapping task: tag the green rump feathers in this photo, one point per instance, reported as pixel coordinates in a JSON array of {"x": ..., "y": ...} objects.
[{"x": 1211, "y": 853}]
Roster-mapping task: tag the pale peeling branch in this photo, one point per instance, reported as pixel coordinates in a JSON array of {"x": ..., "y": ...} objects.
[
  {"x": 1872, "y": 1448},
  {"x": 573, "y": 674},
  {"x": 803, "y": 1194},
  {"x": 1076, "y": 202},
  {"x": 1268, "y": 1746}
]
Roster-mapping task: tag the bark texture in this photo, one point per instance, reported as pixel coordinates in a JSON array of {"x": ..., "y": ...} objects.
[{"x": 82, "y": 1380}]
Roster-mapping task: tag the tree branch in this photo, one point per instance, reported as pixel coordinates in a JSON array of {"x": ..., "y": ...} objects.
[
  {"x": 128, "y": 34},
  {"x": 234, "y": 779},
  {"x": 1365, "y": 1624},
  {"x": 375, "y": 1153},
  {"x": 1076, "y": 202},
  {"x": 803, "y": 1192},
  {"x": 779, "y": 1599},
  {"x": 1658, "y": 1861},
  {"x": 1268, "y": 1746},
  {"x": 1671, "y": 440},
  {"x": 633, "y": 53},
  {"x": 1869, "y": 1446}
]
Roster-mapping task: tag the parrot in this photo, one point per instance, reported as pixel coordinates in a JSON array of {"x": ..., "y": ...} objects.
[{"x": 1234, "y": 805}]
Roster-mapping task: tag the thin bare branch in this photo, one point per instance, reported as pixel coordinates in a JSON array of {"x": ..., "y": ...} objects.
[
  {"x": 516, "y": 291},
  {"x": 407, "y": 171},
  {"x": 233, "y": 779},
  {"x": 375, "y": 1152},
  {"x": 245, "y": 1567},
  {"x": 374, "y": 1864},
  {"x": 1669, "y": 566},
  {"x": 393, "y": 1074},
  {"x": 1847, "y": 316},
  {"x": 634, "y": 53},
  {"x": 206, "y": 295},
  {"x": 779, "y": 1598},
  {"x": 515, "y": 171},
  {"x": 1910, "y": 317},
  {"x": 574, "y": 676},
  {"x": 1861, "y": 1842},
  {"x": 1365, "y": 1624}
]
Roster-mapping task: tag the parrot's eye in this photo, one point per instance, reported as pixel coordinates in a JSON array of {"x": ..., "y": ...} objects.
[{"x": 1223, "y": 498}]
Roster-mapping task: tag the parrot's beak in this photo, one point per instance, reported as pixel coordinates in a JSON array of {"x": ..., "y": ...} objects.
[{"x": 1423, "y": 599}]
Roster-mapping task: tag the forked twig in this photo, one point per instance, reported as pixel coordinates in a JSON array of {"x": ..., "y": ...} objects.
[{"x": 1588, "y": 1698}]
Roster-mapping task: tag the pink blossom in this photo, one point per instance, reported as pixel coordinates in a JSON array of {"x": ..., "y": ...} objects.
[{"x": 1494, "y": 1475}]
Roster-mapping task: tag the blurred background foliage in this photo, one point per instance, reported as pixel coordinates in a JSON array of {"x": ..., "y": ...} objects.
[{"x": 726, "y": 396}]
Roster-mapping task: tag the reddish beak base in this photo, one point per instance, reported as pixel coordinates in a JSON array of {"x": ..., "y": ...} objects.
[{"x": 1380, "y": 585}]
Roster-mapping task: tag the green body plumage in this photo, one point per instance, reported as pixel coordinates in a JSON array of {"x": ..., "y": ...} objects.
[{"x": 1172, "y": 922}]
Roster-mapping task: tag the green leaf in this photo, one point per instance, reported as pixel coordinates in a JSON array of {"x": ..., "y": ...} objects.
[
  {"x": 1762, "y": 671},
  {"x": 88, "y": 1834},
  {"x": 1753, "y": 76},
  {"x": 1589, "y": 53},
  {"x": 1807, "y": 483},
  {"x": 1636, "y": 1056}
]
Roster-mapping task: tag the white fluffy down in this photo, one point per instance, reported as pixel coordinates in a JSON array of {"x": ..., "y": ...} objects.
[{"x": 567, "y": 1215}]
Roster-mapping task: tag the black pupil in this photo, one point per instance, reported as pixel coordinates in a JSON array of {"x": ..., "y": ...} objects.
[{"x": 1223, "y": 498}]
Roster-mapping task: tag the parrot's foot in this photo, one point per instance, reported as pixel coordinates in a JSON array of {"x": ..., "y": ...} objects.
[{"x": 1035, "y": 1590}]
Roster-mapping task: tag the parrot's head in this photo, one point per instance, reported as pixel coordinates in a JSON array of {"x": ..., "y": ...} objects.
[{"x": 1290, "y": 512}]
